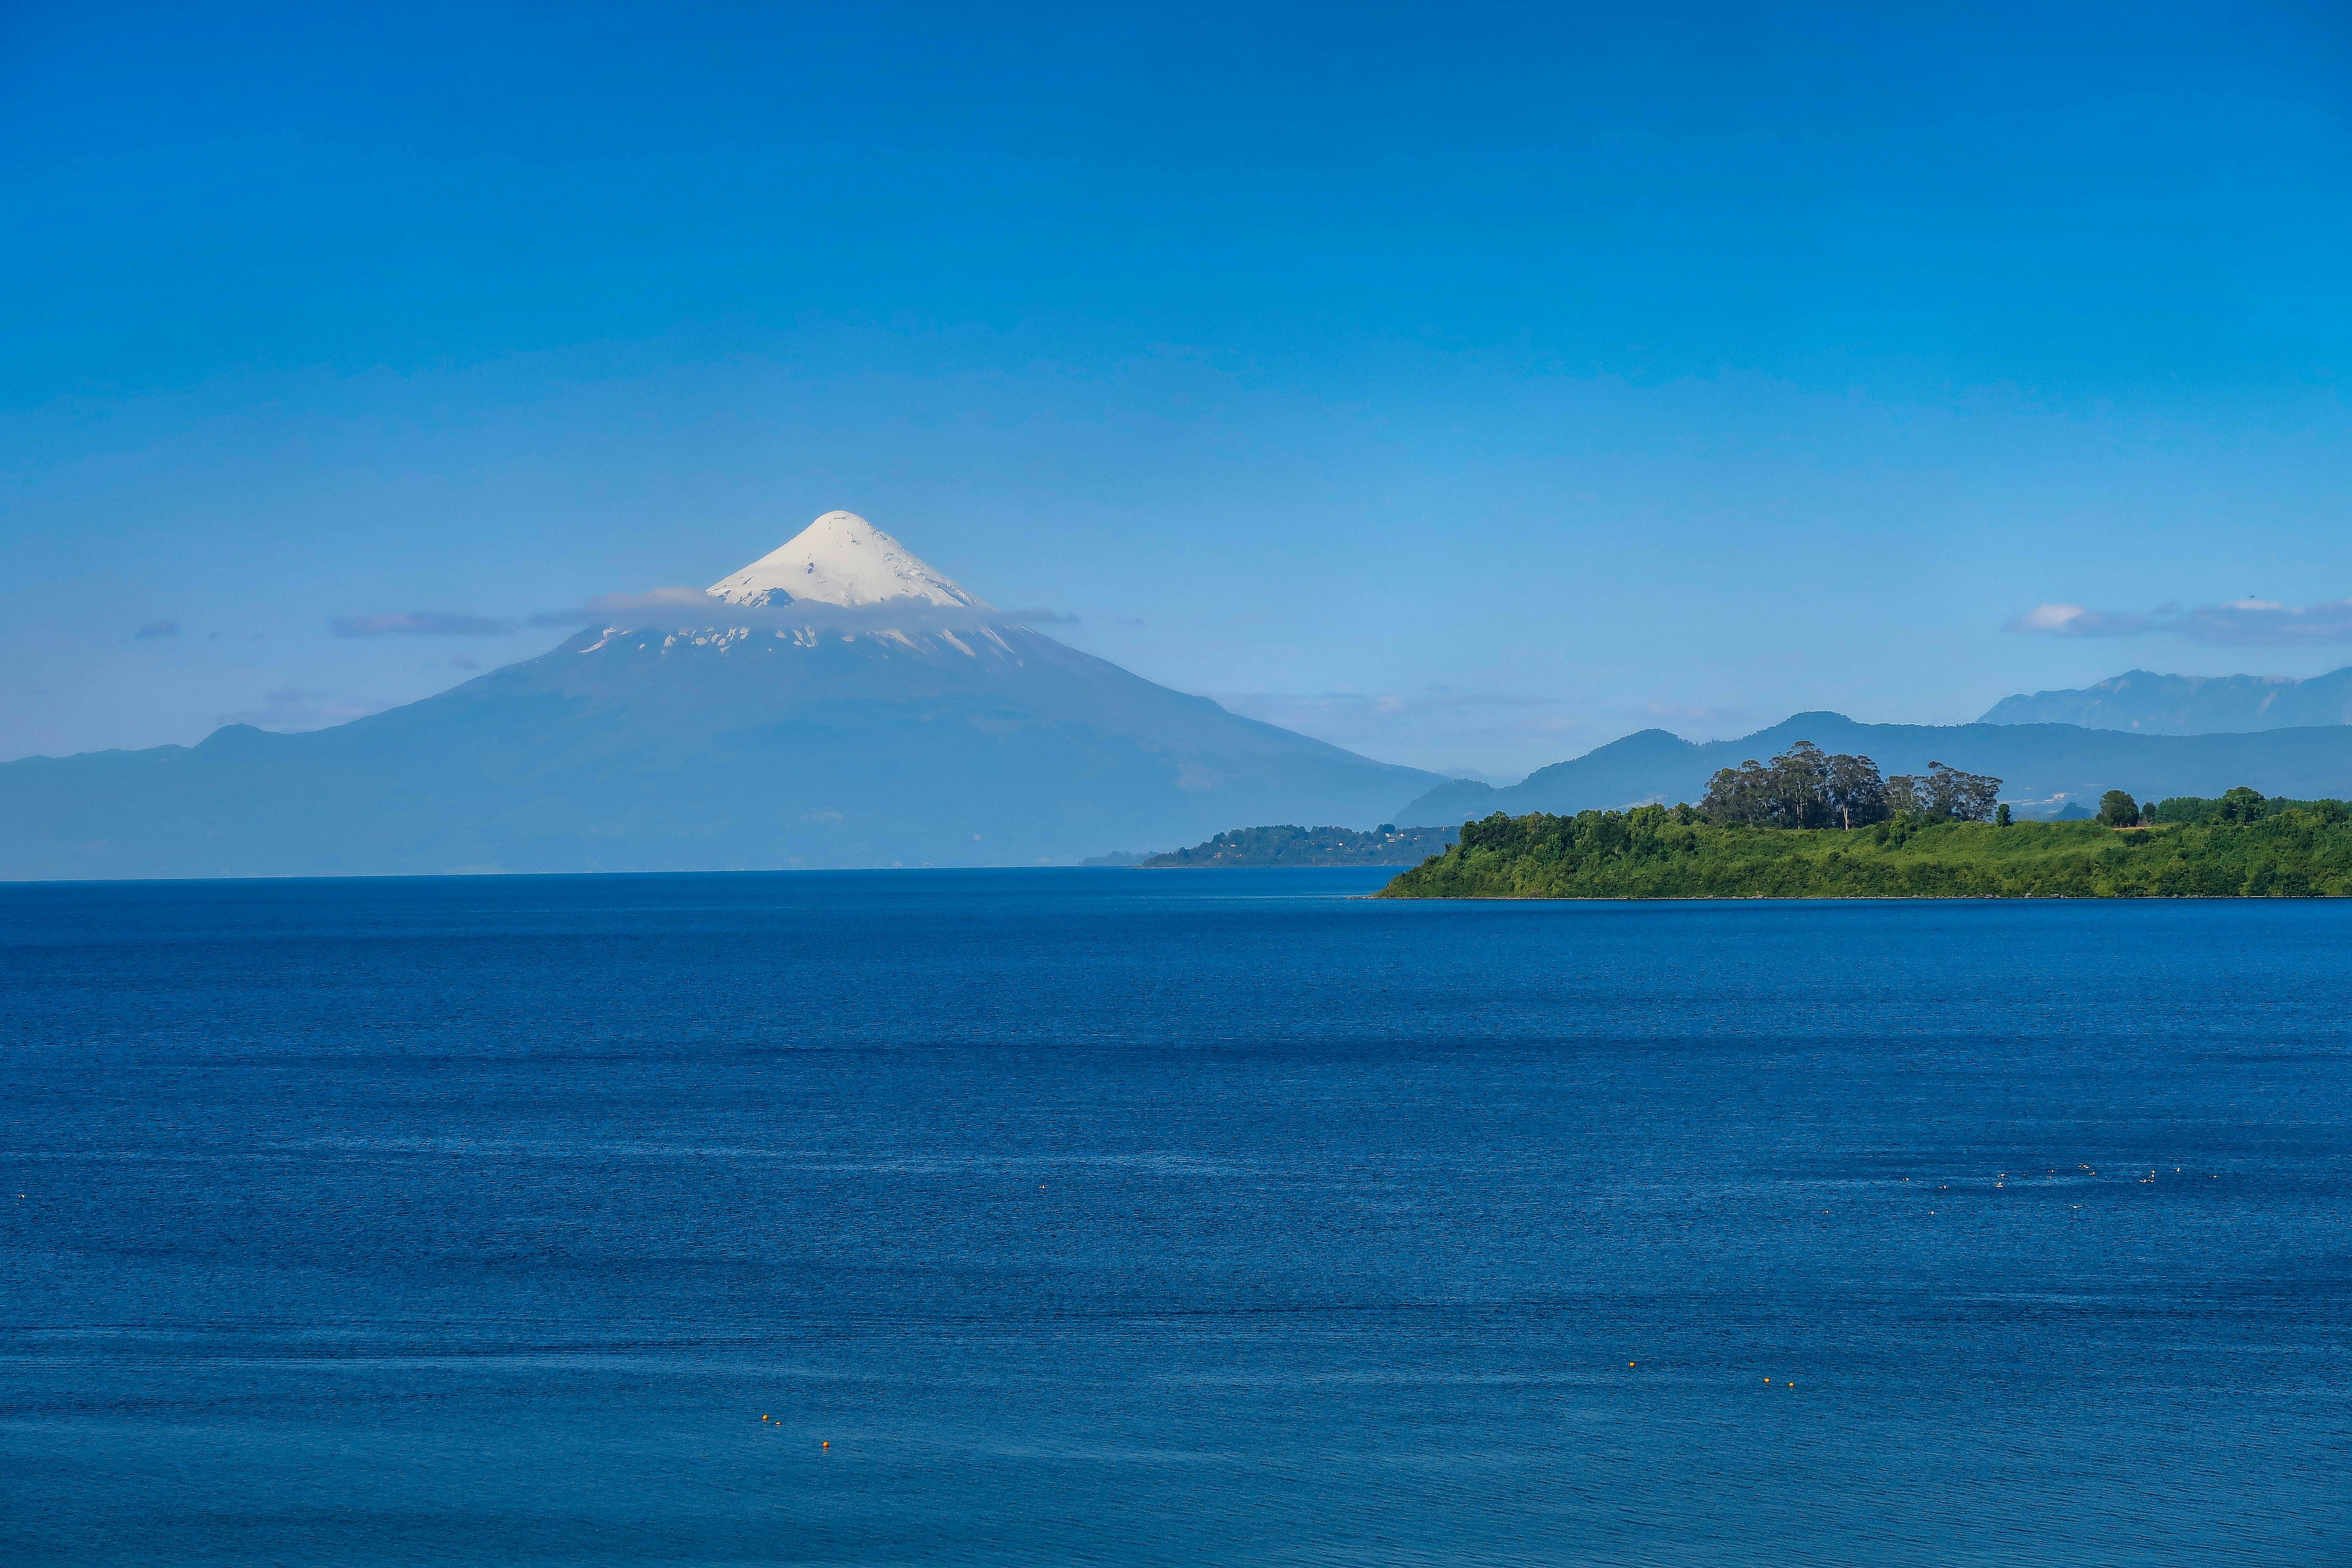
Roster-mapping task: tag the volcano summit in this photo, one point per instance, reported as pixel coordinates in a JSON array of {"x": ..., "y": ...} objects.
[
  {"x": 840, "y": 559},
  {"x": 835, "y": 703}
]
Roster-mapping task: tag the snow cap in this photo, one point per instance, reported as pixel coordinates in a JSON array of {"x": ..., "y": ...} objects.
[{"x": 840, "y": 559}]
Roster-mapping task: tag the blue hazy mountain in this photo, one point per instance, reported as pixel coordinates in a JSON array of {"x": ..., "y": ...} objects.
[
  {"x": 2156, "y": 704},
  {"x": 2044, "y": 767},
  {"x": 837, "y": 703}
]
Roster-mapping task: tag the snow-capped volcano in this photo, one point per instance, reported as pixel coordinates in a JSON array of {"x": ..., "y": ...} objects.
[
  {"x": 839, "y": 580},
  {"x": 838, "y": 702},
  {"x": 840, "y": 559}
]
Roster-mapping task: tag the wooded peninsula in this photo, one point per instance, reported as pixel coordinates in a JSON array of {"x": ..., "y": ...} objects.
[
  {"x": 1251, "y": 848},
  {"x": 1781, "y": 832}
]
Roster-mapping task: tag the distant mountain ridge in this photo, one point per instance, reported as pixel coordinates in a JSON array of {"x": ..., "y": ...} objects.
[
  {"x": 2044, "y": 768},
  {"x": 2152, "y": 704},
  {"x": 838, "y": 703}
]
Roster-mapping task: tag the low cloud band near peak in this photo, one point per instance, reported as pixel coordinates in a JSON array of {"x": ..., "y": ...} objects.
[{"x": 691, "y": 607}]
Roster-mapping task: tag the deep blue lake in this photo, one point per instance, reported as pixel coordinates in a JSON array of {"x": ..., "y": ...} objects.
[{"x": 1176, "y": 1217}]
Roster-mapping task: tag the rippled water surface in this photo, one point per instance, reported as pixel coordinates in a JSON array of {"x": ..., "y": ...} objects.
[{"x": 1182, "y": 1217}]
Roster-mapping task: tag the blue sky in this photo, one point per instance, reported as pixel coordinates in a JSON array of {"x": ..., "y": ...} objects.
[{"x": 1467, "y": 385}]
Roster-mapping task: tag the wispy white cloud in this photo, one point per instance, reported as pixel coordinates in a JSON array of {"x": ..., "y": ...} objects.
[
  {"x": 2239, "y": 623},
  {"x": 2051, "y": 618},
  {"x": 692, "y": 609},
  {"x": 683, "y": 609}
]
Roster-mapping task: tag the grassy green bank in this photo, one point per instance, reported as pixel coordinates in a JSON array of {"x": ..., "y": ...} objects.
[{"x": 1651, "y": 852}]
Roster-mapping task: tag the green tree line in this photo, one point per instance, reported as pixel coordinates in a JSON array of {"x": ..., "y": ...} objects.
[{"x": 2299, "y": 849}]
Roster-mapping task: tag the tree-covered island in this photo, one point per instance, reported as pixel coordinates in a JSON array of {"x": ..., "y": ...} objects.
[{"x": 1811, "y": 826}]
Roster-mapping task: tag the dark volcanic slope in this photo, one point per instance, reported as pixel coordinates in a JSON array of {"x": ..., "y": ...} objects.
[
  {"x": 2043, "y": 765},
  {"x": 749, "y": 750}
]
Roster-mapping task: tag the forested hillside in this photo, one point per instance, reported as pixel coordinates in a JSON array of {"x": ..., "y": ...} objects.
[{"x": 2301, "y": 849}]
